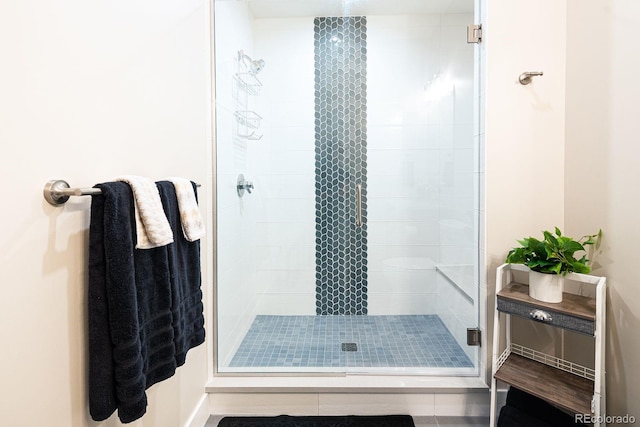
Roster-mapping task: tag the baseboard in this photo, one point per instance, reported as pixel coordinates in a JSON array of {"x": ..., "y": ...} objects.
[
  {"x": 416, "y": 404},
  {"x": 200, "y": 414}
]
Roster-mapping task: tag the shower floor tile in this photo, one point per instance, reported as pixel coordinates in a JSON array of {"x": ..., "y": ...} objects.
[{"x": 382, "y": 341}]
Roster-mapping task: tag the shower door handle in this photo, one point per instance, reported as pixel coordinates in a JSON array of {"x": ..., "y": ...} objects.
[{"x": 358, "y": 205}]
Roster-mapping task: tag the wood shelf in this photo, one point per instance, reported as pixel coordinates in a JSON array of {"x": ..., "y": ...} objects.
[
  {"x": 562, "y": 383},
  {"x": 562, "y": 389},
  {"x": 571, "y": 305}
]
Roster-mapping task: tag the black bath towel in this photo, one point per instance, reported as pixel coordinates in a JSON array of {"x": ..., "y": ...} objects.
[
  {"x": 186, "y": 291},
  {"x": 525, "y": 410},
  {"x": 138, "y": 301}
]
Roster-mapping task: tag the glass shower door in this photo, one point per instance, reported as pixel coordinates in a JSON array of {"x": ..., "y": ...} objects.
[
  {"x": 355, "y": 251},
  {"x": 405, "y": 104}
]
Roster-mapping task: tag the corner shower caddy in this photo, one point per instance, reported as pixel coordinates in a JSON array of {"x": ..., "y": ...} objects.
[
  {"x": 569, "y": 386},
  {"x": 247, "y": 84},
  {"x": 249, "y": 120}
]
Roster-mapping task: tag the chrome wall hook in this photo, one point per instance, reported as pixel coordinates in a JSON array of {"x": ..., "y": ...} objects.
[{"x": 525, "y": 78}]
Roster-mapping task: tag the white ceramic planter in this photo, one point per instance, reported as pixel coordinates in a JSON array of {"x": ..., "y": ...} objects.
[{"x": 546, "y": 287}]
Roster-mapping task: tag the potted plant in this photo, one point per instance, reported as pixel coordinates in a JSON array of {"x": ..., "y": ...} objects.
[{"x": 550, "y": 259}]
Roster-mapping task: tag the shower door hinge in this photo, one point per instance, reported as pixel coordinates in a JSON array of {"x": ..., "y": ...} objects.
[
  {"x": 474, "y": 336},
  {"x": 474, "y": 33}
]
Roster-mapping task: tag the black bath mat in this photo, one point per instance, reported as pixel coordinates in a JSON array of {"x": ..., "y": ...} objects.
[{"x": 318, "y": 421}]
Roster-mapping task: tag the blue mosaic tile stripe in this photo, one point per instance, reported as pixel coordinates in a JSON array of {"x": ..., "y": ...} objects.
[
  {"x": 340, "y": 49},
  {"x": 316, "y": 341}
]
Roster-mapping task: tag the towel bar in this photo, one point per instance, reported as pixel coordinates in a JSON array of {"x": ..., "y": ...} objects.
[{"x": 58, "y": 191}]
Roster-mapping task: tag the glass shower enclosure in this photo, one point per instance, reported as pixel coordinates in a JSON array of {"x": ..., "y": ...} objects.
[{"x": 346, "y": 187}]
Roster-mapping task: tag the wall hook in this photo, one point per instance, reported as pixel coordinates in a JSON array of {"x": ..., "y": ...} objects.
[{"x": 525, "y": 78}]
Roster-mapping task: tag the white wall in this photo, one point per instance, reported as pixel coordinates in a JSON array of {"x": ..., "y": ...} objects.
[
  {"x": 419, "y": 157},
  {"x": 90, "y": 91},
  {"x": 589, "y": 177},
  {"x": 524, "y": 124},
  {"x": 602, "y": 175},
  {"x": 420, "y": 161},
  {"x": 524, "y": 129},
  {"x": 594, "y": 170},
  {"x": 286, "y": 244}
]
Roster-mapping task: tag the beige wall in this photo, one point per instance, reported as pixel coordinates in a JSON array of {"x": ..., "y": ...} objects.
[
  {"x": 524, "y": 130},
  {"x": 569, "y": 162},
  {"x": 524, "y": 124},
  {"x": 88, "y": 91},
  {"x": 602, "y": 176}
]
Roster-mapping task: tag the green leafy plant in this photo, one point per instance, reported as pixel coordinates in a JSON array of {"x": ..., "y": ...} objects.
[{"x": 554, "y": 254}]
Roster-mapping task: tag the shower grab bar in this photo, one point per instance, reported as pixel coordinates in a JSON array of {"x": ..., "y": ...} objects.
[
  {"x": 58, "y": 191},
  {"x": 358, "y": 205}
]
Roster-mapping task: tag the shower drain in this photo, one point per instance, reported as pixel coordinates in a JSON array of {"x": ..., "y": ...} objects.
[{"x": 349, "y": 346}]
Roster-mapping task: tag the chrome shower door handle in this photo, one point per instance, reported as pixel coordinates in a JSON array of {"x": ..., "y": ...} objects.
[{"x": 358, "y": 205}]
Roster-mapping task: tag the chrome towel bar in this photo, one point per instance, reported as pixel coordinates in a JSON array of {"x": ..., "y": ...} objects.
[{"x": 58, "y": 191}]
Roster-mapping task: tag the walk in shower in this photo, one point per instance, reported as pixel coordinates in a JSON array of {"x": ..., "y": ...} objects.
[{"x": 346, "y": 186}]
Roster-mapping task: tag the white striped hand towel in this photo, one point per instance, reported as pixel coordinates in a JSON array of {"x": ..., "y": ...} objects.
[
  {"x": 152, "y": 227},
  {"x": 192, "y": 225}
]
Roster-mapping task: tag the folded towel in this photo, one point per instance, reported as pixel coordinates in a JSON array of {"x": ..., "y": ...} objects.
[
  {"x": 190, "y": 217},
  {"x": 152, "y": 226}
]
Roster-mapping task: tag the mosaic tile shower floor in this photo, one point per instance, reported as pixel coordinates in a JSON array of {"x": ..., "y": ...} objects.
[{"x": 382, "y": 341}]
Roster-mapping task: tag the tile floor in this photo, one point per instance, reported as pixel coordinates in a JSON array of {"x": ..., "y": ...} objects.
[{"x": 318, "y": 341}]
